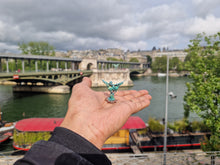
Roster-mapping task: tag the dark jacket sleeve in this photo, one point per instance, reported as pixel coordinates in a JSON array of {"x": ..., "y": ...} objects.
[{"x": 64, "y": 148}]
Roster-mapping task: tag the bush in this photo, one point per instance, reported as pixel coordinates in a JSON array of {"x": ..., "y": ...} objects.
[
  {"x": 155, "y": 125},
  {"x": 29, "y": 138},
  {"x": 196, "y": 126},
  {"x": 133, "y": 59},
  {"x": 181, "y": 125}
]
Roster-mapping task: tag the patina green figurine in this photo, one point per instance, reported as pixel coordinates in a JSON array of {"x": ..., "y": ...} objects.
[{"x": 112, "y": 88}]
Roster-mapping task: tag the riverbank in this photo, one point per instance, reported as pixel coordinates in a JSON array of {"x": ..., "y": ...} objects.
[{"x": 171, "y": 74}]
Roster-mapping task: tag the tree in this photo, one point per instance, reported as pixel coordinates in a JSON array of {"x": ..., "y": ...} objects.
[
  {"x": 203, "y": 92},
  {"x": 113, "y": 59},
  {"x": 133, "y": 59},
  {"x": 159, "y": 65},
  {"x": 149, "y": 60},
  {"x": 37, "y": 48},
  {"x": 175, "y": 64}
]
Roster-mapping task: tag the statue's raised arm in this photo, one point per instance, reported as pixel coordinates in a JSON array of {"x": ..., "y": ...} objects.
[
  {"x": 106, "y": 83},
  {"x": 119, "y": 84}
]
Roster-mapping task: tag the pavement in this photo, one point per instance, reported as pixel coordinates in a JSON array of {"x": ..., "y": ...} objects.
[{"x": 183, "y": 157}]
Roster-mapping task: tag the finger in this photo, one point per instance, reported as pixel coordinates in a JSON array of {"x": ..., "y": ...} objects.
[
  {"x": 126, "y": 92},
  {"x": 87, "y": 81},
  {"x": 132, "y": 92},
  {"x": 131, "y": 106},
  {"x": 139, "y": 103}
]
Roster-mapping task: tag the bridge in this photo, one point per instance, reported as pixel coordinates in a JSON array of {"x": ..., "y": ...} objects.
[
  {"x": 54, "y": 71},
  {"x": 46, "y": 78}
]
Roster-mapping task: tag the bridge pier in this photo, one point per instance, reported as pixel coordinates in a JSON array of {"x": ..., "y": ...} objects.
[
  {"x": 7, "y": 65},
  {"x": 0, "y": 65},
  {"x": 22, "y": 65},
  {"x": 36, "y": 66}
]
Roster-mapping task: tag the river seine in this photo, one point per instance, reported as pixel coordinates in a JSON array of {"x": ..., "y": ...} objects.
[{"x": 16, "y": 106}]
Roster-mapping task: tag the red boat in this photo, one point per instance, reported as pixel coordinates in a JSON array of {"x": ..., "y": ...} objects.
[
  {"x": 133, "y": 136},
  {"x": 4, "y": 138},
  {"x": 6, "y": 131}
]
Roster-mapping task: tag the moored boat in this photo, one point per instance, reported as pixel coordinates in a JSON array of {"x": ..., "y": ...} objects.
[
  {"x": 28, "y": 131},
  {"x": 4, "y": 138},
  {"x": 133, "y": 136},
  {"x": 6, "y": 129},
  {"x": 161, "y": 74}
]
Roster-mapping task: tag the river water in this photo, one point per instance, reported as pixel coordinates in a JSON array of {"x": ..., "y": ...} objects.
[{"x": 16, "y": 106}]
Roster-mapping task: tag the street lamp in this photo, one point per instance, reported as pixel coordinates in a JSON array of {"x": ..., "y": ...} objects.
[{"x": 166, "y": 112}]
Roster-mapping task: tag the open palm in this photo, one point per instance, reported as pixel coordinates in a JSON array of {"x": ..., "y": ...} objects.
[{"x": 95, "y": 119}]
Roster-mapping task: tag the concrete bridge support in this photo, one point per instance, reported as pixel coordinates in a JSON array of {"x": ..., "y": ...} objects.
[
  {"x": 48, "y": 66},
  {"x": 7, "y": 66},
  {"x": 22, "y": 61},
  {"x": 0, "y": 65},
  {"x": 36, "y": 66}
]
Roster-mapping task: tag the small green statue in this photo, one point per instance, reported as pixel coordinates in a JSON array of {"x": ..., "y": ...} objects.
[{"x": 112, "y": 88}]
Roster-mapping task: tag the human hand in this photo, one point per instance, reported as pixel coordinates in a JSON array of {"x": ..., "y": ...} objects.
[{"x": 95, "y": 119}]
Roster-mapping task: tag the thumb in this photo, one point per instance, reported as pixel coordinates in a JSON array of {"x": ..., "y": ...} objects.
[{"x": 87, "y": 81}]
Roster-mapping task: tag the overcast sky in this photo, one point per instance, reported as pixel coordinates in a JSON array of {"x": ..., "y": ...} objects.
[{"x": 96, "y": 24}]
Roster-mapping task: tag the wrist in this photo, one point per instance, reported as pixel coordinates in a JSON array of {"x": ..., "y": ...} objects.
[
  {"x": 86, "y": 131},
  {"x": 73, "y": 141}
]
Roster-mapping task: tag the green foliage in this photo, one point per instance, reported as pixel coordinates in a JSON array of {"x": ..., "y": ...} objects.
[
  {"x": 133, "y": 59},
  {"x": 30, "y": 66},
  {"x": 184, "y": 125},
  {"x": 149, "y": 60},
  {"x": 113, "y": 59},
  {"x": 181, "y": 125},
  {"x": 29, "y": 138},
  {"x": 160, "y": 64},
  {"x": 211, "y": 144},
  {"x": 175, "y": 64},
  {"x": 196, "y": 126},
  {"x": 37, "y": 48},
  {"x": 171, "y": 126},
  {"x": 203, "y": 92},
  {"x": 155, "y": 125}
]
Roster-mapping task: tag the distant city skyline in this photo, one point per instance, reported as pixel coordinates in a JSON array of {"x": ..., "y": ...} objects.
[{"x": 102, "y": 24}]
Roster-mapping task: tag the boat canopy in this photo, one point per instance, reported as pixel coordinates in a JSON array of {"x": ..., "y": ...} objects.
[
  {"x": 48, "y": 124},
  {"x": 134, "y": 122},
  {"x": 38, "y": 124}
]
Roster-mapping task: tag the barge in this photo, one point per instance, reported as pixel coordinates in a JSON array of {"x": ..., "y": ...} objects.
[
  {"x": 6, "y": 129},
  {"x": 133, "y": 136}
]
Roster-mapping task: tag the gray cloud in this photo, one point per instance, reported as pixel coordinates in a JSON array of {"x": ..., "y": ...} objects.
[
  {"x": 96, "y": 24},
  {"x": 203, "y": 8}
]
